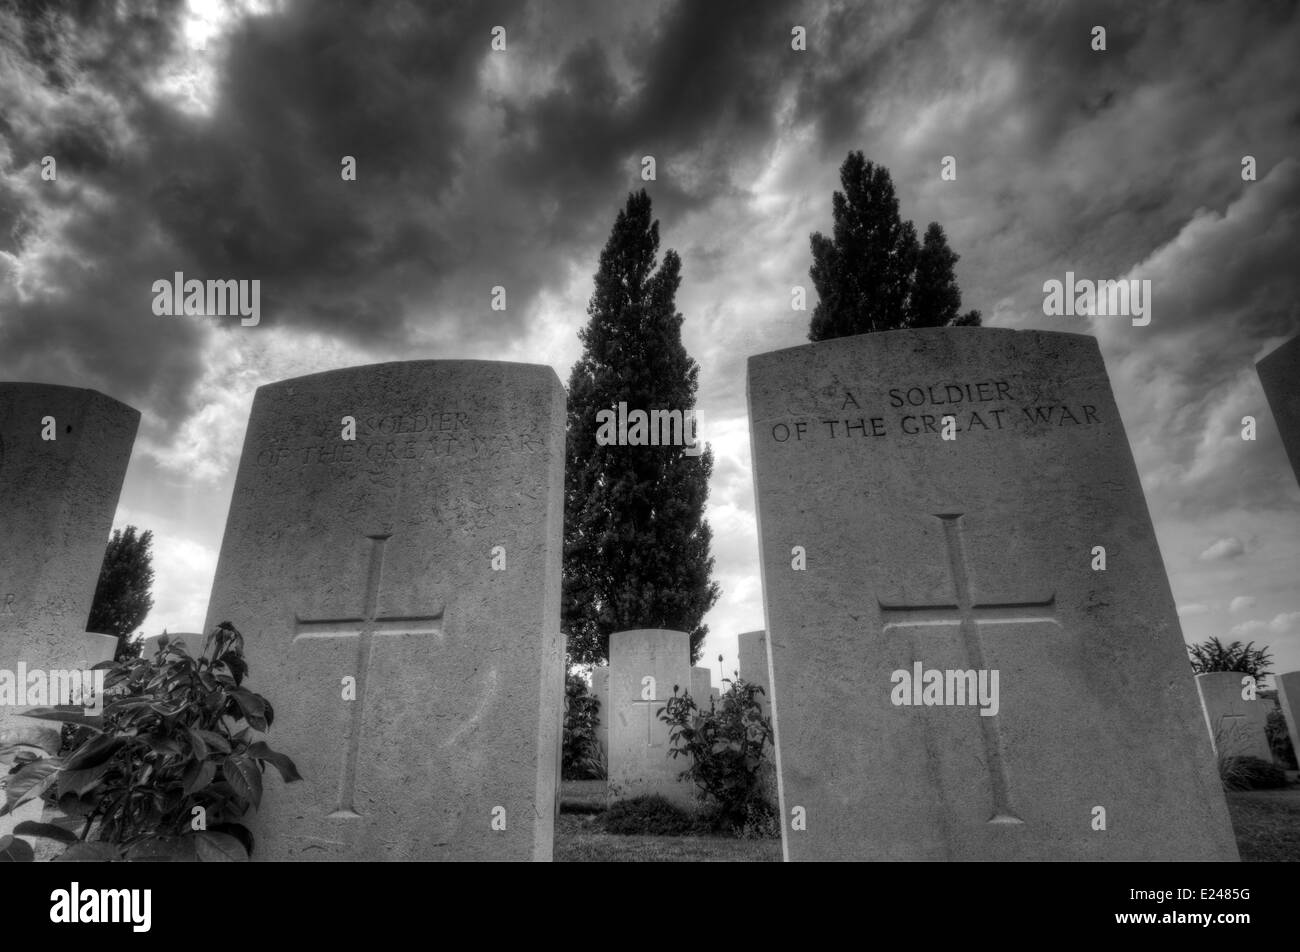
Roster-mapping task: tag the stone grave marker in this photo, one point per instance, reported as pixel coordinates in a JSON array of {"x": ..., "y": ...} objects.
[
  {"x": 1288, "y": 698},
  {"x": 399, "y": 595},
  {"x": 1279, "y": 373},
  {"x": 1236, "y": 725},
  {"x": 644, "y": 667},
  {"x": 753, "y": 664},
  {"x": 955, "y": 675},
  {"x": 600, "y": 691},
  {"x": 63, "y": 457},
  {"x": 701, "y": 684}
]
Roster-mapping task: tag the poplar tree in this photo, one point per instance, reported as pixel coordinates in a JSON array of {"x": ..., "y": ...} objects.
[
  {"x": 636, "y": 544},
  {"x": 872, "y": 274}
]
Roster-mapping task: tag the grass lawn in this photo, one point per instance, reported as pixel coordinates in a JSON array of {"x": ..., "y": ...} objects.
[
  {"x": 578, "y": 838},
  {"x": 577, "y": 842},
  {"x": 1267, "y": 824}
]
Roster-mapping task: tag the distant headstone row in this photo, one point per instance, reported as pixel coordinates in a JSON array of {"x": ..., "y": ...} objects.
[{"x": 950, "y": 674}]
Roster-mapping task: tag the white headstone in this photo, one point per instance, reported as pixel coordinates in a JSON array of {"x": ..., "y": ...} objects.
[
  {"x": 932, "y": 507},
  {"x": 399, "y": 594}
]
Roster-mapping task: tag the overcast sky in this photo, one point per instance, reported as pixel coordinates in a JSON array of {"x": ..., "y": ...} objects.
[{"x": 209, "y": 142}]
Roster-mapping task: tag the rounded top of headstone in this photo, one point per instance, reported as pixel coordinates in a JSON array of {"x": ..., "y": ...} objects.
[
  {"x": 467, "y": 370},
  {"x": 57, "y": 394},
  {"x": 634, "y": 634},
  {"x": 752, "y": 634},
  {"x": 1222, "y": 677}
]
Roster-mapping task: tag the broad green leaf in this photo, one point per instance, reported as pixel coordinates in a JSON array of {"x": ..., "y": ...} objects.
[
  {"x": 248, "y": 702},
  {"x": 48, "y": 830},
  {"x": 80, "y": 782},
  {"x": 30, "y": 782},
  {"x": 163, "y": 745},
  {"x": 215, "y": 741},
  {"x": 199, "y": 745},
  {"x": 198, "y": 776},
  {"x": 95, "y": 751},
  {"x": 14, "y": 850},
  {"x": 244, "y": 777},
  {"x": 213, "y": 847},
  {"x": 66, "y": 715},
  {"x": 279, "y": 761}
]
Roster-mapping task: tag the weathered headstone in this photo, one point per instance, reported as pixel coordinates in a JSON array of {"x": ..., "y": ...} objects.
[
  {"x": 701, "y": 682},
  {"x": 63, "y": 456},
  {"x": 1279, "y": 373},
  {"x": 1288, "y": 698},
  {"x": 1237, "y": 726},
  {"x": 752, "y": 659},
  {"x": 399, "y": 596},
  {"x": 890, "y": 552},
  {"x": 645, "y": 665},
  {"x": 600, "y": 691},
  {"x": 715, "y": 693}
]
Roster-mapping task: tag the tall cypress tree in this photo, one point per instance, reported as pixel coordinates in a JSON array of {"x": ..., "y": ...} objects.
[
  {"x": 636, "y": 544},
  {"x": 872, "y": 275}
]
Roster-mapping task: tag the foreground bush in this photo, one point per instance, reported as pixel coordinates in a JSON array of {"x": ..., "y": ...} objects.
[
  {"x": 727, "y": 744},
  {"x": 650, "y": 815},
  {"x": 166, "y": 772},
  {"x": 1250, "y": 773}
]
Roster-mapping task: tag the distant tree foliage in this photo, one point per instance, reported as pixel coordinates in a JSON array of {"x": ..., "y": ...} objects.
[
  {"x": 636, "y": 544},
  {"x": 1214, "y": 655},
  {"x": 872, "y": 274},
  {"x": 122, "y": 597}
]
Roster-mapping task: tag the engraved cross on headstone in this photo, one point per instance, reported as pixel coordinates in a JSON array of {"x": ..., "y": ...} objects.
[
  {"x": 969, "y": 616},
  {"x": 651, "y": 708},
  {"x": 364, "y": 629}
]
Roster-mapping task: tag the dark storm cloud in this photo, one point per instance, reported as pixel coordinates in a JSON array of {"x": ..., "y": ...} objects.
[{"x": 439, "y": 214}]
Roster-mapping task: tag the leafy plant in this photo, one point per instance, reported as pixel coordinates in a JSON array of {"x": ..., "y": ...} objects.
[
  {"x": 727, "y": 745},
  {"x": 582, "y": 759},
  {"x": 169, "y": 768},
  {"x": 1279, "y": 738},
  {"x": 1214, "y": 655}
]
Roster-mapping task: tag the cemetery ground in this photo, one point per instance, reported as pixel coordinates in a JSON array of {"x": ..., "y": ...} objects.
[
  {"x": 581, "y": 838},
  {"x": 1266, "y": 823}
]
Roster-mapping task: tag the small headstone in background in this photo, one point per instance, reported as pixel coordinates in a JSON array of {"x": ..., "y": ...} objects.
[
  {"x": 645, "y": 665},
  {"x": 1236, "y": 725},
  {"x": 1288, "y": 698}
]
